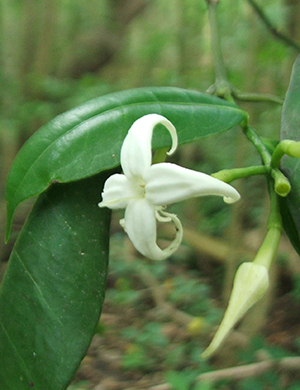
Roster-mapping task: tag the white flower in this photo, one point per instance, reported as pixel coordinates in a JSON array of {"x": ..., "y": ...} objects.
[{"x": 144, "y": 189}]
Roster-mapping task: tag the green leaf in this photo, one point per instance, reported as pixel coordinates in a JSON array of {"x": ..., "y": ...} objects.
[
  {"x": 53, "y": 289},
  {"x": 88, "y": 139},
  {"x": 289, "y": 219},
  {"x": 290, "y": 125}
]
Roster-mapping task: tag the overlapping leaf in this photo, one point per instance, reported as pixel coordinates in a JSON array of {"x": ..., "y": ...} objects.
[
  {"x": 87, "y": 140},
  {"x": 53, "y": 289},
  {"x": 290, "y": 129}
]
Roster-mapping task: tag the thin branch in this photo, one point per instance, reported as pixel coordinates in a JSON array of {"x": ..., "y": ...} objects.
[
  {"x": 160, "y": 298},
  {"x": 254, "y": 138},
  {"x": 219, "y": 65},
  {"x": 251, "y": 370},
  {"x": 215, "y": 248},
  {"x": 246, "y": 371},
  {"x": 255, "y": 97},
  {"x": 273, "y": 30},
  {"x": 237, "y": 373},
  {"x": 222, "y": 86}
]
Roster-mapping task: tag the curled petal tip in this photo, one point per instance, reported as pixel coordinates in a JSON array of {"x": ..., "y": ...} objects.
[
  {"x": 140, "y": 224},
  {"x": 172, "y": 130},
  {"x": 232, "y": 199},
  {"x": 136, "y": 153}
]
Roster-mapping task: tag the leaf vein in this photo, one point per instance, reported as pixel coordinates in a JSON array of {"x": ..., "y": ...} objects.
[
  {"x": 15, "y": 348},
  {"x": 37, "y": 287}
]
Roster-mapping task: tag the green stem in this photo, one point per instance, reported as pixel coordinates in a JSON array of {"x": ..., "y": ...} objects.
[
  {"x": 281, "y": 183},
  {"x": 219, "y": 65},
  {"x": 254, "y": 138},
  {"x": 229, "y": 175},
  {"x": 289, "y": 147},
  {"x": 277, "y": 155},
  {"x": 268, "y": 249},
  {"x": 255, "y": 97},
  {"x": 274, "y": 220},
  {"x": 222, "y": 86}
]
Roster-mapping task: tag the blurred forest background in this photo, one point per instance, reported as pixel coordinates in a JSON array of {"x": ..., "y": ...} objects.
[{"x": 158, "y": 317}]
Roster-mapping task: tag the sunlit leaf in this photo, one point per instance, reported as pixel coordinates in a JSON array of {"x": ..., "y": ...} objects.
[
  {"x": 290, "y": 129},
  {"x": 87, "y": 140},
  {"x": 53, "y": 289}
]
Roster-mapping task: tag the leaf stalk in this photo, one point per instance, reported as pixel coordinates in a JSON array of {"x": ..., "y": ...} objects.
[{"x": 229, "y": 175}]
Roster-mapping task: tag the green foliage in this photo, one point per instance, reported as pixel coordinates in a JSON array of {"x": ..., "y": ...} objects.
[
  {"x": 294, "y": 386},
  {"x": 74, "y": 146},
  {"x": 124, "y": 297},
  {"x": 53, "y": 290},
  {"x": 145, "y": 347},
  {"x": 270, "y": 378},
  {"x": 248, "y": 355},
  {"x": 186, "y": 380},
  {"x": 151, "y": 336},
  {"x": 137, "y": 357},
  {"x": 181, "y": 380},
  {"x": 290, "y": 207},
  {"x": 149, "y": 344},
  {"x": 267, "y": 380},
  {"x": 190, "y": 295}
]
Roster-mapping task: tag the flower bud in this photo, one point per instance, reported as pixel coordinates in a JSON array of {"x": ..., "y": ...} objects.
[{"x": 250, "y": 284}]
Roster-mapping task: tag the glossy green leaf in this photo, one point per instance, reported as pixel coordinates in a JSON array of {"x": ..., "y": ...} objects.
[
  {"x": 87, "y": 140},
  {"x": 290, "y": 129},
  {"x": 53, "y": 289}
]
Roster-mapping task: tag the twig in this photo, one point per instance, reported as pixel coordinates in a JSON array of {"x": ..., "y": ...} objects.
[
  {"x": 237, "y": 373},
  {"x": 273, "y": 30},
  {"x": 217, "y": 249},
  {"x": 246, "y": 371},
  {"x": 255, "y": 97},
  {"x": 222, "y": 87},
  {"x": 254, "y": 369},
  {"x": 219, "y": 65},
  {"x": 160, "y": 298}
]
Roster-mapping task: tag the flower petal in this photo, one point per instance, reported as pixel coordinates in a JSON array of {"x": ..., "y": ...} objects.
[
  {"x": 168, "y": 183},
  {"x": 136, "y": 155},
  {"x": 250, "y": 284},
  {"x": 117, "y": 192},
  {"x": 140, "y": 225}
]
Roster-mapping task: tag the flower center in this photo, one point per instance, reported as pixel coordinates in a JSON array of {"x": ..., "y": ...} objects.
[{"x": 138, "y": 186}]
